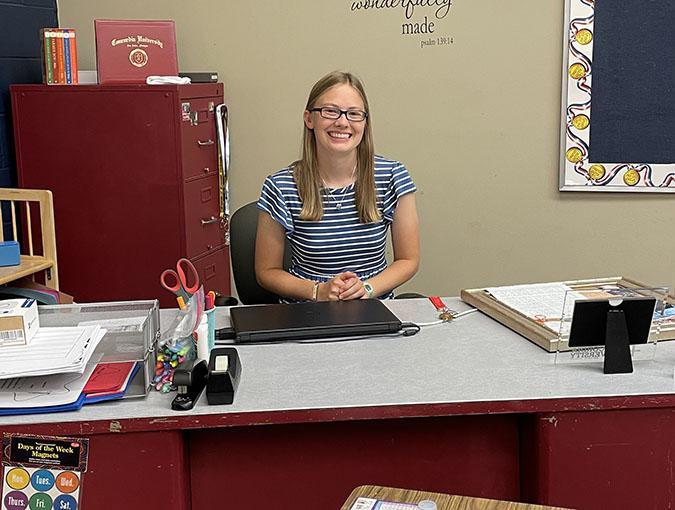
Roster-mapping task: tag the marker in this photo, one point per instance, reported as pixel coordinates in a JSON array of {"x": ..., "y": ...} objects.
[{"x": 210, "y": 300}]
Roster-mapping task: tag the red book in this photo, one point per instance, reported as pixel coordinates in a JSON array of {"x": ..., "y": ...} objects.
[{"x": 129, "y": 51}]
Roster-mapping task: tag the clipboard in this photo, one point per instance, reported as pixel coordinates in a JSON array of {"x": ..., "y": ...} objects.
[{"x": 540, "y": 334}]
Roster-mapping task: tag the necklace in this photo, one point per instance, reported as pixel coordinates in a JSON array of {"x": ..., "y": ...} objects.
[{"x": 338, "y": 205}]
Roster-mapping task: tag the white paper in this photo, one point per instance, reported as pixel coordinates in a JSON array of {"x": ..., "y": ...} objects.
[
  {"x": 370, "y": 504},
  {"x": 53, "y": 350},
  {"x": 48, "y": 390},
  {"x": 543, "y": 301}
]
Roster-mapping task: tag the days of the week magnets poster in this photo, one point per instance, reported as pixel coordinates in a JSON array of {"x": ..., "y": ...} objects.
[{"x": 42, "y": 472}]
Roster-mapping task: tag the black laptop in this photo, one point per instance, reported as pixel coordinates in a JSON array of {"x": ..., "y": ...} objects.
[{"x": 300, "y": 321}]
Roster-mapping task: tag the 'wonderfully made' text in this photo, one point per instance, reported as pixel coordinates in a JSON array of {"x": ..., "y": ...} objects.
[{"x": 407, "y": 5}]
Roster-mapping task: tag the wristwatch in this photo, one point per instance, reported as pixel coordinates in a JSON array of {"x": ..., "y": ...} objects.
[{"x": 369, "y": 290}]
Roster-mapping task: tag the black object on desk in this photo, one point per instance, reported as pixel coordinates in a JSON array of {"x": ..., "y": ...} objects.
[
  {"x": 224, "y": 374},
  {"x": 615, "y": 323},
  {"x": 201, "y": 77},
  {"x": 312, "y": 320},
  {"x": 190, "y": 378}
]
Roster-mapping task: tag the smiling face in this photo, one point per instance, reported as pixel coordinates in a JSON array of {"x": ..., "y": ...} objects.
[{"x": 337, "y": 136}]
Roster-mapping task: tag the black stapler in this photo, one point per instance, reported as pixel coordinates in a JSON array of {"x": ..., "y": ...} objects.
[
  {"x": 224, "y": 373},
  {"x": 190, "y": 378}
]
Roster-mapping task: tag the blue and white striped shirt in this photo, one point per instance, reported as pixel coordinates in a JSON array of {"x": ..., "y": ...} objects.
[{"x": 339, "y": 241}]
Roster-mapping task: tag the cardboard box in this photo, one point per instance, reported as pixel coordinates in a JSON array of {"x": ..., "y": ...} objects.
[{"x": 18, "y": 321}]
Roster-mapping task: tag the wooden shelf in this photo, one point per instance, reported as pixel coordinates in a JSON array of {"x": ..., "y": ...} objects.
[
  {"x": 29, "y": 266},
  {"x": 31, "y": 217}
]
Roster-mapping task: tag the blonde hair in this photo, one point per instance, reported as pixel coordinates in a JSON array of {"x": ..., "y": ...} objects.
[{"x": 306, "y": 171}]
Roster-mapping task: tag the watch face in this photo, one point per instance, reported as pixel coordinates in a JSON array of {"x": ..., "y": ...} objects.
[{"x": 369, "y": 289}]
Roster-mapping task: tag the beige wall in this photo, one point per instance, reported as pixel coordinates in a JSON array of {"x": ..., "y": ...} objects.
[{"x": 476, "y": 122}]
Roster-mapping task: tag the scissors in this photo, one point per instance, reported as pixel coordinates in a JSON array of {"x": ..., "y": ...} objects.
[{"x": 185, "y": 271}]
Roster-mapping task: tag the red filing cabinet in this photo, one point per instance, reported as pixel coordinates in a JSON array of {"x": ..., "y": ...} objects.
[{"x": 134, "y": 174}]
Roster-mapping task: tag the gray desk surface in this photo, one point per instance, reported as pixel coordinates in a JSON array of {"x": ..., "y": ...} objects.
[{"x": 471, "y": 360}]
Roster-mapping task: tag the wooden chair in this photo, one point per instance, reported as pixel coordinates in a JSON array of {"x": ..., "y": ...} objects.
[{"x": 25, "y": 206}]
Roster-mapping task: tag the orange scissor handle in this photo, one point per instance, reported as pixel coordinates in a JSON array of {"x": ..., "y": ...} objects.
[
  {"x": 187, "y": 272},
  {"x": 178, "y": 281}
]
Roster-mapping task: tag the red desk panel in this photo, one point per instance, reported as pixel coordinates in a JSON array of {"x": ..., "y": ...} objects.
[
  {"x": 586, "y": 453},
  {"x": 619, "y": 459},
  {"x": 315, "y": 465}
]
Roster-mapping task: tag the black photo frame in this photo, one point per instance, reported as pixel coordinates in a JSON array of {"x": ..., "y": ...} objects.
[{"x": 616, "y": 324}]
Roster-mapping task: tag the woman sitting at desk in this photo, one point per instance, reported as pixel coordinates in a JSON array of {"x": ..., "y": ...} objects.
[{"x": 335, "y": 205}]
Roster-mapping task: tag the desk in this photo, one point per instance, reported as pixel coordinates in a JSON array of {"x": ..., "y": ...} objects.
[
  {"x": 443, "y": 501},
  {"x": 466, "y": 408}
]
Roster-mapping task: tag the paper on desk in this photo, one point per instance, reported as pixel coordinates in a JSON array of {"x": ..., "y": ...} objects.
[
  {"x": 52, "y": 351},
  {"x": 537, "y": 299},
  {"x": 376, "y": 504},
  {"x": 48, "y": 390},
  {"x": 121, "y": 324}
]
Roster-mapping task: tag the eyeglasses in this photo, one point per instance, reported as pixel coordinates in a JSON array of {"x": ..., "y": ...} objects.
[{"x": 330, "y": 112}]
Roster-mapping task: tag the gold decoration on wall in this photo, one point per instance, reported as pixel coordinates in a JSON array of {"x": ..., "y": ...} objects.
[
  {"x": 631, "y": 177},
  {"x": 596, "y": 172}
]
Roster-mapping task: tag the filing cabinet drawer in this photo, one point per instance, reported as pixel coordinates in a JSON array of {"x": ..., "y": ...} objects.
[
  {"x": 199, "y": 137},
  {"x": 214, "y": 271},
  {"x": 203, "y": 228}
]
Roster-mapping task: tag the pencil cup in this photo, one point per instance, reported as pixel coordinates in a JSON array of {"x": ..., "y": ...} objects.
[{"x": 211, "y": 319}]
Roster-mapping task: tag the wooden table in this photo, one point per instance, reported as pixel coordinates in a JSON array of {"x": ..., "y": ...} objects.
[{"x": 443, "y": 501}]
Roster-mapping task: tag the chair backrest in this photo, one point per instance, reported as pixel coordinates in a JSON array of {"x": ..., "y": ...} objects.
[{"x": 243, "y": 227}]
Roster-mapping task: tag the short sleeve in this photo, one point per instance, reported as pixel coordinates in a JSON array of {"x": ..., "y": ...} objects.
[
  {"x": 272, "y": 202},
  {"x": 400, "y": 184}
]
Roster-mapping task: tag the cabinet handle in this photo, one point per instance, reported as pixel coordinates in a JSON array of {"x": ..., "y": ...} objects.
[
  {"x": 203, "y": 143},
  {"x": 212, "y": 219},
  {"x": 206, "y": 169}
]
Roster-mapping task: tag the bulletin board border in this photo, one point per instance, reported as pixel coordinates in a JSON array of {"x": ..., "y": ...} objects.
[{"x": 577, "y": 173}]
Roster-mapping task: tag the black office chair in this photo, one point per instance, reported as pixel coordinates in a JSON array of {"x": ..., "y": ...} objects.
[{"x": 243, "y": 227}]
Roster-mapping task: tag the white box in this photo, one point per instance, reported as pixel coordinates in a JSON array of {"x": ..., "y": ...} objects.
[
  {"x": 87, "y": 77},
  {"x": 18, "y": 321}
]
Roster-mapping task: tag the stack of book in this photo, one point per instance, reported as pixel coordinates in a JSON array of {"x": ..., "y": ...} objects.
[{"x": 59, "y": 56}]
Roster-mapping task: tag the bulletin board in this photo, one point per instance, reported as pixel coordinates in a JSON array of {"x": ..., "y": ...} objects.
[{"x": 618, "y": 100}]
